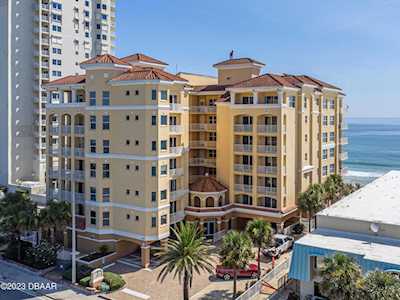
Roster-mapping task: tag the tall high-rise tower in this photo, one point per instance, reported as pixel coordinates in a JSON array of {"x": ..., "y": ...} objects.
[{"x": 41, "y": 40}]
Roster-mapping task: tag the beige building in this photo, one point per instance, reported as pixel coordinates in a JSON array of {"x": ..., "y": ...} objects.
[{"x": 120, "y": 136}]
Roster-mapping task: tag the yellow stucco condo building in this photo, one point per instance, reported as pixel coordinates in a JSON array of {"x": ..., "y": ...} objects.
[{"x": 140, "y": 149}]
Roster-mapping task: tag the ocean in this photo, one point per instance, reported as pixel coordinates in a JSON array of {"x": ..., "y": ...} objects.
[{"x": 373, "y": 149}]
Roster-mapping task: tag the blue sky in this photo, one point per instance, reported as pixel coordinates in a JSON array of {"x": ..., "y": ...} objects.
[{"x": 354, "y": 44}]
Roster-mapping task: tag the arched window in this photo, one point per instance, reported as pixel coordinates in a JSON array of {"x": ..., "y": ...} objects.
[
  {"x": 196, "y": 202},
  {"x": 210, "y": 202}
]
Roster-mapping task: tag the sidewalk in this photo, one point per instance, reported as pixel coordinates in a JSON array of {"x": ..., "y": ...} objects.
[{"x": 35, "y": 285}]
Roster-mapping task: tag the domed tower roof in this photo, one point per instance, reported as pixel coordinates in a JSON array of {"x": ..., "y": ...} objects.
[{"x": 207, "y": 184}]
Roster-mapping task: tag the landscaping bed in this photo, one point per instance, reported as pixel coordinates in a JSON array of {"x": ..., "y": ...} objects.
[
  {"x": 112, "y": 280},
  {"x": 94, "y": 256}
]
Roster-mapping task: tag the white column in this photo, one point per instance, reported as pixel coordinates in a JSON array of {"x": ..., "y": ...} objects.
[
  {"x": 232, "y": 97},
  {"x": 61, "y": 96},
  {"x": 280, "y": 96},
  {"x": 255, "y": 97},
  {"x": 73, "y": 95}
]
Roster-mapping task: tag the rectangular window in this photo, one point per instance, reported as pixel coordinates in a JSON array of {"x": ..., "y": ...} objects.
[
  {"x": 106, "y": 218},
  {"x": 332, "y": 168},
  {"x": 163, "y": 220},
  {"x": 93, "y": 170},
  {"x": 325, "y": 104},
  {"x": 153, "y": 171},
  {"x": 324, "y": 170},
  {"x": 106, "y": 194},
  {"x": 247, "y": 100},
  {"x": 332, "y": 136},
  {"x": 324, "y": 153},
  {"x": 153, "y": 222},
  {"x": 292, "y": 101},
  {"x": 164, "y": 120},
  {"x": 271, "y": 99},
  {"x": 163, "y": 145},
  {"x": 92, "y": 98},
  {"x": 153, "y": 196},
  {"x": 332, "y": 152},
  {"x": 92, "y": 122},
  {"x": 153, "y": 94},
  {"x": 106, "y": 98},
  {"x": 92, "y": 217},
  {"x": 93, "y": 146},
  {"x": 324, "y": 137},
  {"x": 153, "y": 146},
  {"x": 164, "y": 95},
  {"x": 153, "y": 120},
  {"x": 92, "y": 193},
  {"x": 332, "y": 120},
  {"x": 164, "y": 170},
  {"x": 332, "y": 104},
  {"x": 106, "y": 146},
  {"x": 106, "y": 170},
  {"x": 172, "y": 185},
  {"x": 106, "y": 122},
  {"x": 163, "y": 194},
  {"x": 325, "y": 121}
]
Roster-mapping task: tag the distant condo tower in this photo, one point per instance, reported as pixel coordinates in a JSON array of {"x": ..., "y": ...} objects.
[{"x": 41, "y": 41}]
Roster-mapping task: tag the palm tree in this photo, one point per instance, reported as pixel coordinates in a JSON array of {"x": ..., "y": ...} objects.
[
  {"x": 18, "y": 214},
  {"x": 379, "y": 285},
  {"x": 340, "y": 278},
  {"x": 54, "y": 218},
  {"x": 260, "y": 233},
  {"x": 185, "y": 255},
  {"x": 310, "y": 201},
  {"x": 333, "y": 187},
  {"x": 236, "y": 253}
]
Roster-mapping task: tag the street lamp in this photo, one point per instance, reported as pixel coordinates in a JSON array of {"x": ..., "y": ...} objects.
[{"x": 73, "y": 277}]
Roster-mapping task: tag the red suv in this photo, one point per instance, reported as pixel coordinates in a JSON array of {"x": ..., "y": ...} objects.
[{"x": 227, "y": 273}]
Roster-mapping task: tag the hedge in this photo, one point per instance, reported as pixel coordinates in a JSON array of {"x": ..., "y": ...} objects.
[{"x": 115, "y": 281}]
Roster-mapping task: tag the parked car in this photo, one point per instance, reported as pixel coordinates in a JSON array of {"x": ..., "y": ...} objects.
[
  {"x": 280, "y": 244},
  {"x": 250, "y": 271}
]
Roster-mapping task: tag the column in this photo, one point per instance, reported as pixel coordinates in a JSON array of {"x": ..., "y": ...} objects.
[
  {"x": 73, "y": 96},
  {"x": 280, "y": 226},
  {"x": 145, "y": 255},
  {"x": 232, "y": 97},
  {"x": 61, "y": 96},
  {"x": 280, "y": 96},
  {"x": 255, "y": 97}
]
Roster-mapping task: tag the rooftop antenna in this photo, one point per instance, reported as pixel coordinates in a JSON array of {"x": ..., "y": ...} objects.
[{"x": 231, "y": 54}]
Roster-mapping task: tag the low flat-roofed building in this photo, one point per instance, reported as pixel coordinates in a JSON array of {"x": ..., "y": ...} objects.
[{"x": 364, "y": 225}]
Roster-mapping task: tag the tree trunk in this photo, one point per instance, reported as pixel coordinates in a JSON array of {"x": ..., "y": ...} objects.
[
  {"x": 185, "y": 287},
  {"x": 234, "y": 283},
  {"x": 259, "y": 264},
  {"x": 309, "y": 223},
  {"x": 19, "y": 247}
]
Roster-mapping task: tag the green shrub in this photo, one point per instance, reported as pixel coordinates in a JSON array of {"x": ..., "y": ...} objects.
[
  {"x": 115, "y": 281},
  {"x": 85, "y": 281},
  {"x": 103, "y": 249},
  {"x": 42, "y": 256}
]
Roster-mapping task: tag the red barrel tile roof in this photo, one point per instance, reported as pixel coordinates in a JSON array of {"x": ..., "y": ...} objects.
[
  {"x": 144, "y": 58},
  {"x": 72, "y": 79},
  {"x": 238, "y": 61},
  {"x": 148, "y": 74},
  {"x": 105, "y": 59},
  {"x": 207, "y": 184}
]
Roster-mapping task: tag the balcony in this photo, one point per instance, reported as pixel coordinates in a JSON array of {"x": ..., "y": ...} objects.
[
  {"x": 53, "y": 151},
  {"x": 54, "y": 173},
  {"x": 243, "y": 128},
  {"x": 176, "y": 172},
  {"x": 66, "y": 151},
  {"x": 175, "y": 107},
  {"x": 267, "y": 149},
  {"x": 270, "y": 190},
  {"x": 54, "y": 130},
  {"x": 79, "y": 129},
  {"x": 79, "y": 175},
  {"x": 201, "y": 127},
  {"x": 175, "y": 195},
  {"x": 203, "y": 109},
  {"x": 203, "y": 144},
  {"x": 267, "y": 128},
  {"x": 65, "y": 173},
  {"x": 246, "y": 188},
  {"x": 176, "y": 128},
  {"x": 176, "y": 150},
  {"x": 176, "y": 217},
  {"x": 206, "y": 162},
  {"x": 271, "y": 170},
  {"x": 243, "y": 168},
  {"x": 344, "y": 140},
  {"x": 243, "y": 148},
  {"x": 66, "y": 129},
  {"x": 344, "y": 156},
  {"x": 79, "y": 152}
]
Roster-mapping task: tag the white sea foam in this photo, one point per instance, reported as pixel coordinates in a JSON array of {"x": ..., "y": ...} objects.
[{"x": 352, "y": 173}]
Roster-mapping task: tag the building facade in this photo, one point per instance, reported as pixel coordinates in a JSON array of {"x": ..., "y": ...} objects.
[
  {"x": 140, "y": 149},
  {"x": 363, "y": 225},
  {"x": 42, "y": 40}
]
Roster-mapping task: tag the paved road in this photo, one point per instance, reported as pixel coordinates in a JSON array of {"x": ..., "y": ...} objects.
[{"x": 16, "y": 295}]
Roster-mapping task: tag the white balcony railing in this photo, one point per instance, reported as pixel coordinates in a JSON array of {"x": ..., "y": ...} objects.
[
  {"x": 244, "y": 188},
  {"x": 201, "y": 127},
  {"x": 66, "y": 151},
  {"x": 266, "y": 149},
  {"x": 54, "y": 130},
  {"x": 267, "y": 128},
  {"x": 203, "y": 109},
  {"x": 176, "y": 150},
  {"x": 208, "y": 162},
  {"x": 174, "y": 195},
  {"x": 79, "y": 129},
  {"x": 176, "y": 172},
  {"x": 243, "y": 128},
  {"x": 243, "y": 168},
  {"x": 344, "y": 156},
  {"x": 175, "y": 107},
  {"x": 79, "y": 174},
  {"x": 266, "y": 190},
  {"x": 243, "y": 148},
  {"x": 66, "y": 129},
  {"x": 176, "y": 128},
  {"x": 267, "y": 169},
  {"x": 80, "y": 152},
  {"x": 53, "y": 151},
  {"x": 344, "y": 140}
]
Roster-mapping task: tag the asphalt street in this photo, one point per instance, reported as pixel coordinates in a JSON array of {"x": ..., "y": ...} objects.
[{"x": 16, "y": 295}]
